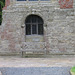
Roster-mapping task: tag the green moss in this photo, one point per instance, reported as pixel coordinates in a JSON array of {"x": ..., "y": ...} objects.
[{"x": 73, "y": 69}]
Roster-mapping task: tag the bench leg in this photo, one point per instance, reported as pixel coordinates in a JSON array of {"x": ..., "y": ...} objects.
[
  {"x": 21, "y": 53},
  {"x": 45, "y": 52}
]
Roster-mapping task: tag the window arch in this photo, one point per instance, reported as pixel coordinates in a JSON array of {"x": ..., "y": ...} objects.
[
  {"x": 33, "y": 0},
  {"x": 34, "y": 25}
]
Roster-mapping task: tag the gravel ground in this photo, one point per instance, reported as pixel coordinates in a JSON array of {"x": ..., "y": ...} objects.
[
  {"x": 36, "y": 62},
  {"x": 36, "y": 71}
]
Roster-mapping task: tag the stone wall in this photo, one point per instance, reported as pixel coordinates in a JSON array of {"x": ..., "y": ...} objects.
[{"x": 59, "y": 26}]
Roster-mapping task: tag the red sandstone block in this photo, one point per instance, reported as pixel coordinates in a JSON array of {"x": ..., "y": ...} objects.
[
  {"x": 62, "y": 49},
  {"x": 10, "y": 29},
  {"x": 66, "y": 3},
  {"x": 7, "y": 3},
  {"x": 2, "y": 36},
  {"x": 4, "y": 33},
  {"x": 9, "y": 36},
  {"x": 12, "y": 45}
]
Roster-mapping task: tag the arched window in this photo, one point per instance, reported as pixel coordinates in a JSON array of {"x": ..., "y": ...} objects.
[
  {"x": 34, "y": 25},
  {"x": 33, "y": 0}
]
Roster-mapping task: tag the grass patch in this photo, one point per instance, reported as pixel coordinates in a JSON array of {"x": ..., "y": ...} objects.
[{"x": 73, "y": 69}]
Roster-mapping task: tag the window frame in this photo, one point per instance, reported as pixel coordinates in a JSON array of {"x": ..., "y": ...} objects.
[
  {"x": 37, "y": 26},
  {"x": 32, "y": 0}
]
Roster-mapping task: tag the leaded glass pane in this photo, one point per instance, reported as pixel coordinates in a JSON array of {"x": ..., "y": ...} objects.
[
  {"x": 40, "y": 29},
  {"x": 21, "y": 0},
  {"x": 34, "y": 29},
  {"x": 28, "y": 29},
  {"x": 33, "y": 0}
]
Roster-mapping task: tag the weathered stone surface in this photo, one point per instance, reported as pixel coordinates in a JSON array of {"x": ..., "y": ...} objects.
[{"x": 59, "y": 26}]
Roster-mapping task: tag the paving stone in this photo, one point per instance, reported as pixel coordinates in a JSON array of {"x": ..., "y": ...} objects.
[{"x": 36, "y": 71}]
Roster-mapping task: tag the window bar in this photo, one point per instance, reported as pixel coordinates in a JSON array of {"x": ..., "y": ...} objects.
[
  {"x": 31, "y": 29},
  {"x": 37, "y": 28}
]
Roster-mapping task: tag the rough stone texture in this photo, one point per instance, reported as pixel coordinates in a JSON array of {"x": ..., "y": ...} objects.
[{"x": 59, "y": 26}]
